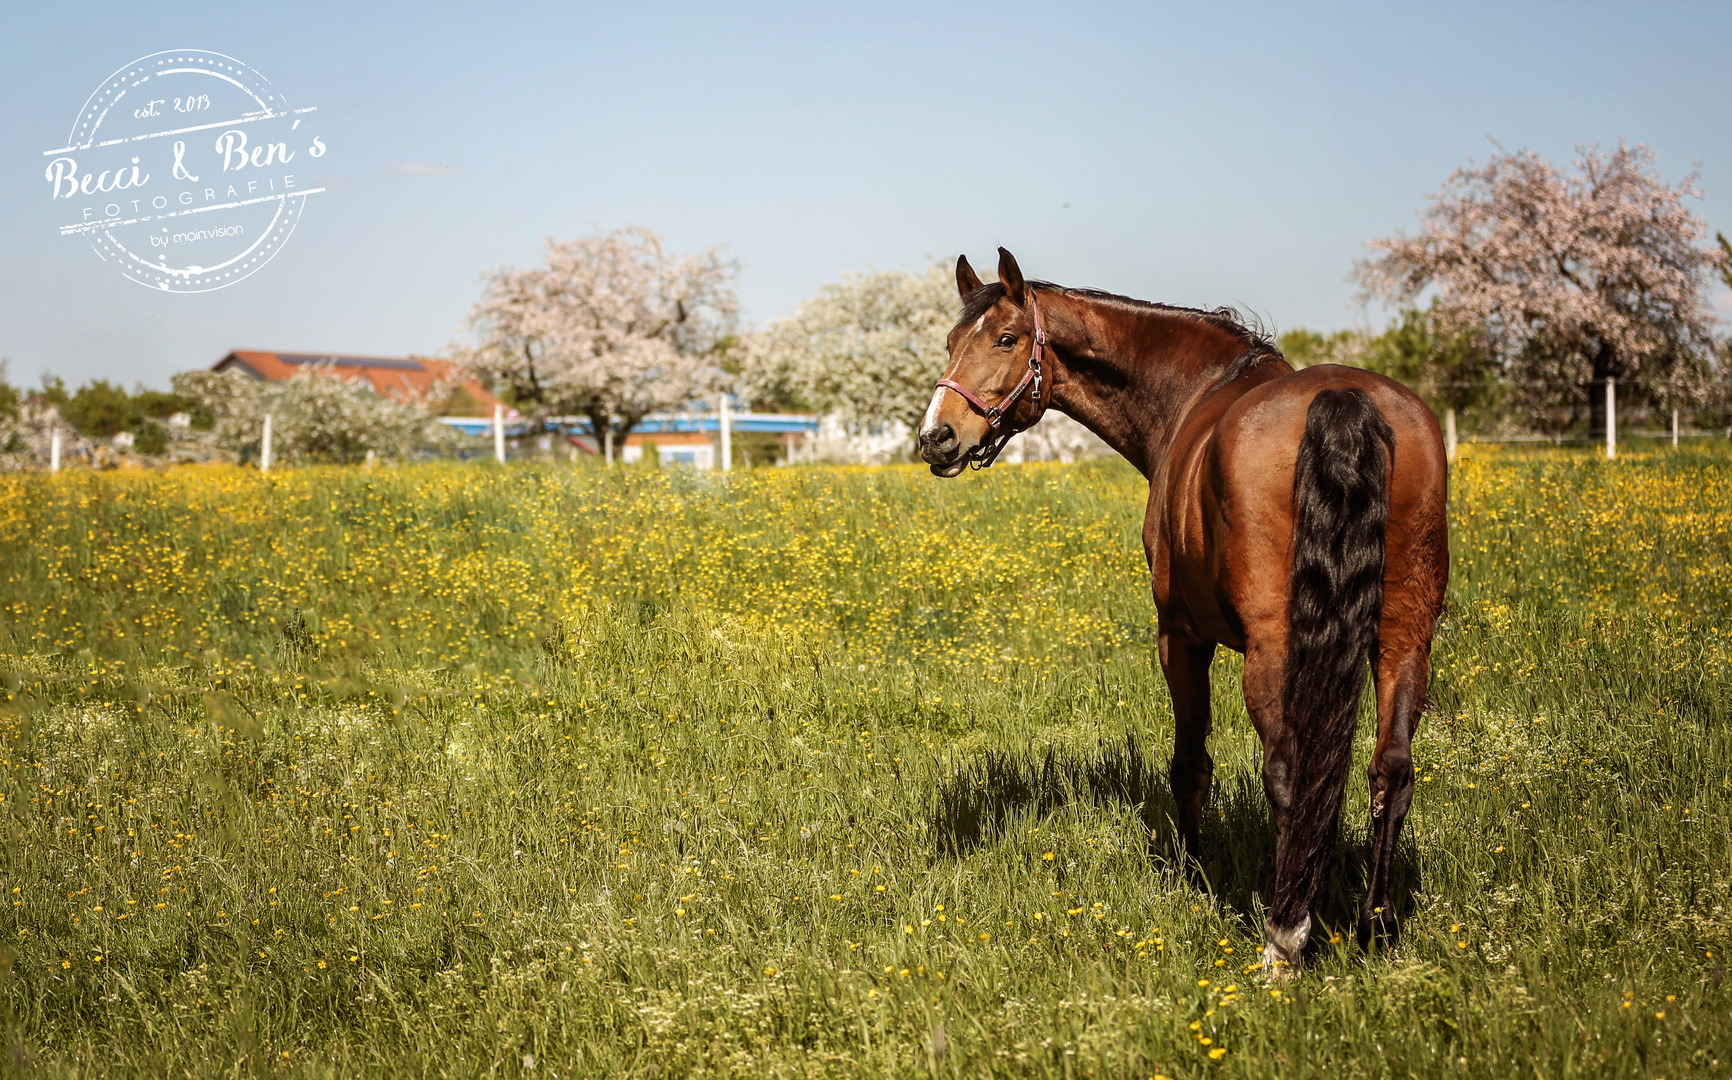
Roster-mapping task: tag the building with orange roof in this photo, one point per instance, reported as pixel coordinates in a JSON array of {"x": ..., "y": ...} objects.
[{"x": 407, "y": 379}]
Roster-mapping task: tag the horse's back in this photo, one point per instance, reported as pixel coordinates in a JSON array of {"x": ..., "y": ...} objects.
[{"x": 1286, "y": 401}]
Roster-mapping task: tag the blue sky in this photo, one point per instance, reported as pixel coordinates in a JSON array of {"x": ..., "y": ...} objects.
[{"x": 1197, "y": 154}]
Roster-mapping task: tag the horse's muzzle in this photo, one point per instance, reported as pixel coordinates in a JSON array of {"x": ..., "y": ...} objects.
[{"x": 941, "y": 449}]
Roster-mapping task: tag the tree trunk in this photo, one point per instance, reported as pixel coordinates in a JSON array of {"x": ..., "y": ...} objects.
[
  {"x": 599, "y": 422},
  {"x": 1605, "y": 367}
]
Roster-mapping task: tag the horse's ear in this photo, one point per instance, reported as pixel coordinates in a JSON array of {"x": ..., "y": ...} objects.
[
  {"x": 1010, "y": 276},
  {"x": 966, "y": 279}
]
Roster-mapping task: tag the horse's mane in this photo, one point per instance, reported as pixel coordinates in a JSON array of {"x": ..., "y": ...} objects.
[{"x": 1258, "y": 344}]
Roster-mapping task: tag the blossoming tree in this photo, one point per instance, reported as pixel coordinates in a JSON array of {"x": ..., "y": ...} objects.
[
  {"x": 1565, "y": 279},
  {"x": 611, "y": 327},
  {"x": 867, "y": 347},
  {"x": 318, "y": 416}
]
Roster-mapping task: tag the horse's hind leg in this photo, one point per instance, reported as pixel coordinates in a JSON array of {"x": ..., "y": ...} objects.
[
  {"x": 1401, "y": 679},
  {"x": 1186, "y": 666}
]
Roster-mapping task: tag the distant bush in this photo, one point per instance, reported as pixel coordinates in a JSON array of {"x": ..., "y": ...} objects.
[
  {"x": 104, "y": 410},
  {"x": 316, "y": 416}
]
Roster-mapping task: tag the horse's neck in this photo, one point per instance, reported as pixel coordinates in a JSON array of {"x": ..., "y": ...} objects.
[{"x": 1129, "y": 374}]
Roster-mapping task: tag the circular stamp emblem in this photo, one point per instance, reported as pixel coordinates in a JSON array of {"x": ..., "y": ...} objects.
[{"x": 185, "y": 170}]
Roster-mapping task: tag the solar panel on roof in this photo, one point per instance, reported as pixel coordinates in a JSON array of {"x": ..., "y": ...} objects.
[{"x": 353, "y": 362}]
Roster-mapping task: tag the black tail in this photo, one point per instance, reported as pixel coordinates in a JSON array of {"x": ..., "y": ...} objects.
[{"x": 1334, "y": 602}]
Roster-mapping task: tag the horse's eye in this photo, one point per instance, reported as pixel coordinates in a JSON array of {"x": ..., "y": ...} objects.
[{"x": 1005, "y": 341}]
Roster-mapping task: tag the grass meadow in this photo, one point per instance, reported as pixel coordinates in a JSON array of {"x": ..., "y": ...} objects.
[{"x": 458, "y": 770}]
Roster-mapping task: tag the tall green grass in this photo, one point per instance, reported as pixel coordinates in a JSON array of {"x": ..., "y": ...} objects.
[{"x": 446, "y": 771}]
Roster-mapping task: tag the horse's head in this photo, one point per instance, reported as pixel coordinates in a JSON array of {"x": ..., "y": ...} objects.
[{"x": 999, "y": 378}]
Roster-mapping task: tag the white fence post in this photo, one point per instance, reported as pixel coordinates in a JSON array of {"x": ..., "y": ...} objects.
[
  {"x": 1449, "y": 432},
  {"x": 265, "y": 446},
  {"x": 499, "y": 434},
  {"x": 54, "y": 450},
  {"x": 1674, "y": 429},
  {"x": 1611, "y": 418},
  {"x": 727, "y": 436}
]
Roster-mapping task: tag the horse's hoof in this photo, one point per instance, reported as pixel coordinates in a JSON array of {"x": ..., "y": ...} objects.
[
  {"x": 1282, "y": 948},
  {"x": 1276, "y": 966},
  {"x": 1377, "y": 929}
]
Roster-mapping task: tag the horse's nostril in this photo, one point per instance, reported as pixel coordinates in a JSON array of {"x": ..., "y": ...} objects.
[{"x": 938, "y": 444}]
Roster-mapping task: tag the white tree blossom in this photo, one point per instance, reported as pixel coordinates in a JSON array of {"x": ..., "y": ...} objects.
[
  {"x": 26, "y": 437},
  {"x": 316, "y": 416},
  {"x": 867, "y": 348},
  {"x": 1566, "y": 279},
  {"x": 611, "y": 327}
]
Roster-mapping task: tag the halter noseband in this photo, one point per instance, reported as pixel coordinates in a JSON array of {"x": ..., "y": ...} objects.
[{"x": 1033, "y": 381}]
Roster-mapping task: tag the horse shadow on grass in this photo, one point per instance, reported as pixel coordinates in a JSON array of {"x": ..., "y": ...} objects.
[{"x": 1236, "y": 865}]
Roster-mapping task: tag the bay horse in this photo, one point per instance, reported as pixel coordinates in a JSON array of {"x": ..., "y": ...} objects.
[{"x": 1297, "y": 517}]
